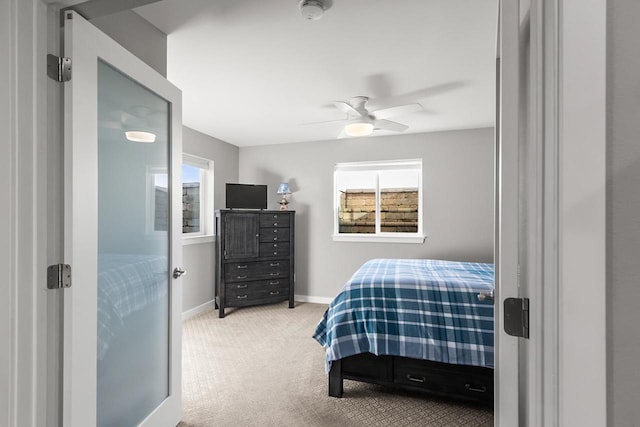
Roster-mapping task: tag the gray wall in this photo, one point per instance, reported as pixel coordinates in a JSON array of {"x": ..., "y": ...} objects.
[
  {"x": 458, "y": 199},
  {"x": 199, "y": 258},
  {"x": 623, "y": 212},
  {"x": 137, "y": 35}
]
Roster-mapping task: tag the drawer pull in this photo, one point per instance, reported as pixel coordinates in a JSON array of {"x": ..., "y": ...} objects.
[
  {"x": 276, "y": 216},
  {"x": 275, "y": 231},
  {"x": 275, "y": 224},
  {"x": 275, "y": 239},
  {"x": 274, "y": 293},
  {"x": 241, "y": 286},
  {"x": 416, "y": 379},
  {"x": 277, "y": 273},
  {"x": 241, "y": 277},
  {"x": 275, "y": 245},
  {"x": 481, "y": 389},
  {"x": 274, "y": 282},
  {"x": 275, "y": 253},
  {"x": 241, "y": 267},
  {"x": 242, "y": 296},
  {"x": 275, "y": 264}
]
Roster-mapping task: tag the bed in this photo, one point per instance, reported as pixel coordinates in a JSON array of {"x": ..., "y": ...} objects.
[{"x": 413, "y": 323}]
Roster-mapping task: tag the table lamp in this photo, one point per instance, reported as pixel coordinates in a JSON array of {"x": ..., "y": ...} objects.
[{"x": 283, "y": 189}]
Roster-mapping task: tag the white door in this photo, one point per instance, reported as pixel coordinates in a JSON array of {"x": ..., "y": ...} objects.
[{"x": 123, "y": 223}]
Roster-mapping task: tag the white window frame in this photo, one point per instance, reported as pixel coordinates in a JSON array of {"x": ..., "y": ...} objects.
[
  {"x": 206, "y": 233},
  {"x": 378, "y": 166}
]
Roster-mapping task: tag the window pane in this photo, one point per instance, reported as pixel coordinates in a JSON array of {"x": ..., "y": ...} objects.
[
  {"x": 399, "y": 201},
  {"x": 357, "y": 202},
  {"x": 191, "y": 198},
  {"x": 161, "y": 200}
]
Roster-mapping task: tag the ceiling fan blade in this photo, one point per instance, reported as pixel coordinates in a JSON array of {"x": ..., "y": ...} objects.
[
  {"x": 346, "y": 108},
  {"x": 412, "y": 96},
  {"x": 379, "y": 85},
  {"x": 400, "y": 110},
  {"x": 324, "y": 122},
  {"x": 343, "y": 134},
  {"x": 389, "y": 125}
]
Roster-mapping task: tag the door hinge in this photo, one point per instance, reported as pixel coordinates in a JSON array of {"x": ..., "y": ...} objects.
[
  {"x": 59, "y": 276},
  {"x": 516, "y": 317},
  {"x": 59, "y": 68}
]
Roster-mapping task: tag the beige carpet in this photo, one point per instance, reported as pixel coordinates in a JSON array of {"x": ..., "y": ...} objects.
[{"x": 259, "y": 366}]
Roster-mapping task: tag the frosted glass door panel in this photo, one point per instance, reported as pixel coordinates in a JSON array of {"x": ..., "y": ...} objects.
[{"x": 133, "y": 250}]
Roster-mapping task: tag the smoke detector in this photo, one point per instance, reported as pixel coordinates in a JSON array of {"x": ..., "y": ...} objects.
[{"x": 312, "y": 9}]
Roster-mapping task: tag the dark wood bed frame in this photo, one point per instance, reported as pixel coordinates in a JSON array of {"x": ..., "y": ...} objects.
[{"x": 471, "y": 383}]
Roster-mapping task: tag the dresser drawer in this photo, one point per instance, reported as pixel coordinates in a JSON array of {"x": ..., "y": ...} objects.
[
  {"x": 274, "y": 234},
  {"x": 248, "y": 271},
  {"x": 274, "y": 249},
  {"x": 240, "y": 288},
  {"x": 268, "y": 220},
  {"x": 251, "y": 296},
  {"x": 462, "y": 384}
]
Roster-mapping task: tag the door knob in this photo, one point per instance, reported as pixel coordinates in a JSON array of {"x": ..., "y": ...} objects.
[{"x": 177, "y": 272}]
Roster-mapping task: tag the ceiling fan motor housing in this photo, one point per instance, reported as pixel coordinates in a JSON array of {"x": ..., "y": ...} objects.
[{"x": 312, "y": 9}]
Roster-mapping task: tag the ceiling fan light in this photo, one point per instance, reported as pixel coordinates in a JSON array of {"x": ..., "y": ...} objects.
[
  {"x": 140, "y": 136},
  {"x": 359, "y": 129}
]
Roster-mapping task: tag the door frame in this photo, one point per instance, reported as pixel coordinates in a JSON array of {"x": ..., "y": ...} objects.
[
  {"x": 507, "y": 131},
  {"x": 30, "y": 394},
  {"x": 562, "y": 381}
]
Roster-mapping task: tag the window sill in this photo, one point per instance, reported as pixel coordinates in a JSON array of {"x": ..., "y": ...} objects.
[
  {"x": 196, "y": 240},
  {"x": 378, "y": 238}
]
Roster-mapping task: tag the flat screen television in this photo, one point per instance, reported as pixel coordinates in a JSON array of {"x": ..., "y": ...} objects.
[{"x": 246, "y": 196}]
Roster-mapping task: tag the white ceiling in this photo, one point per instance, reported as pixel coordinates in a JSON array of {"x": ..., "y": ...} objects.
[{"x": 256, "y": 72}]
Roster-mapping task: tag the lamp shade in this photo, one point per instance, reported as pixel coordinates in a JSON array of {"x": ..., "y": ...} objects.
[{"x": 283, "y": 188}]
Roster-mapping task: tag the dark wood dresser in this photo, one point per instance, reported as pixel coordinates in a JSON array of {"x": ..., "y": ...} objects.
[{"x": 254, "y": 258}]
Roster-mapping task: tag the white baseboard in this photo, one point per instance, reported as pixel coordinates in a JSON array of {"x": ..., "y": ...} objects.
[
  {"x": 209, "y": 305},
  {"x": 197, "y": 310},
  {"x": 313, "y": 300}
]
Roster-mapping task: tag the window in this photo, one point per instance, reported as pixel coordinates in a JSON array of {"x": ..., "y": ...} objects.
[
  {"x": 379, "y": 201},
  {"x": 197, "y": 196}
]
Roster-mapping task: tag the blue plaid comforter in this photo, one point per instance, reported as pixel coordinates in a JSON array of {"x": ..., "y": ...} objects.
[
  {"x": 126, "y": 283},
  {"x": 418, "y": 308}
]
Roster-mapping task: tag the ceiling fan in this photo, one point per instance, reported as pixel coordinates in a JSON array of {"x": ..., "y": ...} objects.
[{"x": 361, "y": 121}]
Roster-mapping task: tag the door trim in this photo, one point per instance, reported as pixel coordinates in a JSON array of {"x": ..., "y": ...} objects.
[
  {"x": 25, "y": 243},
  {"x": 567, "y": 371},
  {"x": 581, "y": 125}
]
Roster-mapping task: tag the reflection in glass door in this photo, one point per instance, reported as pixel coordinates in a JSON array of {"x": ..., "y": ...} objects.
[{"x": 133, "y": 250}]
